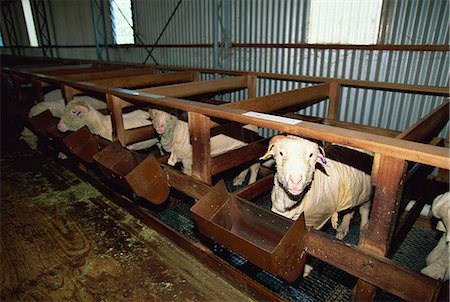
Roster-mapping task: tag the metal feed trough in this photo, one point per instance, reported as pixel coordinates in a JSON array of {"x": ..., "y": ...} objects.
[
  {"x": 142, "y": 175},
  {"x": 84, "y": 145},
  {"x": 266, "y": 239}
]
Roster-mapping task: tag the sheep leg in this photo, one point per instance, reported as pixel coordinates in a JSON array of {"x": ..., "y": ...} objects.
[
  {"x": 364, "y": 211},
  {"x": 342, "y": 230},
  {"x": 437, "y": 251},
  {"x": 439, "y": 268},
  {"x": 254, "y": 169},
  {"x": 238, "y": 180},
  {"x": 161, "y": 151},
  {"x": 143, "y": 144},
  {"x": 187, "y": 166},
  {"x": 308, "y": 269}
]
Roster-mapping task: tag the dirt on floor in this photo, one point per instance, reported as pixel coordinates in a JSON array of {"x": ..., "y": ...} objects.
[{"x": 61, "y": 239}]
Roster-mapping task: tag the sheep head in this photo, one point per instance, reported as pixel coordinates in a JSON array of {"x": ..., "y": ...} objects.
[
  {"x": 74, "y": 116},
  {"x": 295, "y": 160},
  {"x": 163, "y": 122}
]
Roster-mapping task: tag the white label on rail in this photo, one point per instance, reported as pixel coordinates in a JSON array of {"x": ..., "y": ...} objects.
[
  {"x": 274, "y": 118},
  {"x": 151, "y": 95}
]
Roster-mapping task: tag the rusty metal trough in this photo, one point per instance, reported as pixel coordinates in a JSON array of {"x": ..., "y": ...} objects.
[
  {"x": 266, "y": 239},
  {"x": 142, "y": 175},
  {"x": 84, "y": 144},
  {"x": 43, "y": 121}
]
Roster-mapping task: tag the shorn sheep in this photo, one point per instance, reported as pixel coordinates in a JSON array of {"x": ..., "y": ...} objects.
[
  {"x": 79, "y": 114},
  {"x": 438, "y": 259},
  {"x": 54, "y": 102},
  {"x": 322, "y": 192},
  {"x": 175, "y": 138}
]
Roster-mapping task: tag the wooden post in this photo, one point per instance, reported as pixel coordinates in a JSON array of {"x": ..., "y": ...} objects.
[
  {"x": 115, "y": 106},
  {"x": 333, "y": 106},
  {"x": 387, "y": 176},
  {"x": 67, "y": 92},
  {"x": 201, "y": 146},
  {"x": 38, "y": 89},
  {"x": 251, "y": 86},
  {"x": 195, "y": 76}
]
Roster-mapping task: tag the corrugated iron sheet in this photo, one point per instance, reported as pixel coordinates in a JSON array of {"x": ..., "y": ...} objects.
[{"x": 286, "y": 21}]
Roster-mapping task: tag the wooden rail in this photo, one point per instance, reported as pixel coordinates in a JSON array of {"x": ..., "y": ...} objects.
[
  {"x": 416, "y": 152},
  {"x": 309, "y": 79},
  {"x": 388, "y": 173}
]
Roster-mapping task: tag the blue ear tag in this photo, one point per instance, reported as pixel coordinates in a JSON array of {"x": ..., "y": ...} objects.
[
  {"x": 324, "y": 161},
  {"x": 78, "y": 113}
]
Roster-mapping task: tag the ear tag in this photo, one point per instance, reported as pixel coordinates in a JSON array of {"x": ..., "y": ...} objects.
[
  {"x": 267, "y": 154},
  {"x": 324, "y": 161},
  {"x": 78, "y": 113}
]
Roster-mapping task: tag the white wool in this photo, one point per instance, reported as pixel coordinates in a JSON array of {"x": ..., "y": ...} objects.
[
  {"x": 438, "y": 259},
  {"x": 441, "y": 210},
  {"x": 86, "y": 115},
  {"x": 300, "y": 187},
  {"x": 54, "y": 102},
  {"x": 175, "y": 138},
  {"x": 182, "y": 148}
]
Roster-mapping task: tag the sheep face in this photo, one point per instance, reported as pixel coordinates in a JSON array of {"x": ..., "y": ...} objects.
[
  {"x": 162, "y": 121},
  {"x": 74, "y": 117},
  {"x": 295, "y": 160}
]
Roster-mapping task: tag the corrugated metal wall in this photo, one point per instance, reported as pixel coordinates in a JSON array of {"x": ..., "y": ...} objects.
[{"x": 413, "y": 22}]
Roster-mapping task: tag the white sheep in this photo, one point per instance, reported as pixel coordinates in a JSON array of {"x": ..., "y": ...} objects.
[
  {"x": 438, "y": 259},
  {"x": 78, "y": 114},
  {"x": 54, "y": 102},
  {"x": 175, "y": 138},
  {"x": 320, "y": 193}
]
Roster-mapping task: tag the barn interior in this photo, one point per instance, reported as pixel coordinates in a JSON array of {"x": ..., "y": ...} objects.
[{"x": 88, "y": 216}]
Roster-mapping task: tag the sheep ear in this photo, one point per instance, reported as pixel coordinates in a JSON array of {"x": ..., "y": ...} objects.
[
  {"x": 321, "y": 157},
  {"x": 82, "y": 109},
  {"x": 272, "y": 141}
]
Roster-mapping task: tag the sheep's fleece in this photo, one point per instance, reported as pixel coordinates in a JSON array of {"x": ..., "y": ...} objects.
[
  {"x": 54, "y": 102},
  {"x": 319, "y": 192},
  {"x": 175, "y": 138},
  {"x": 79, "y": 114},
  {"x": 438, "y": 259}
]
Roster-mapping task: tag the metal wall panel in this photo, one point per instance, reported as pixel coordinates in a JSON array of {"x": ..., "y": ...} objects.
[{"x": 286, "y": 21}]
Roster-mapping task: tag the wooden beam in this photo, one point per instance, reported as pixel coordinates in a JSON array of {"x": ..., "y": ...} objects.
[
  {"x": 115, "y": 106},
  {"x": 37, "y": 84},
  {"x": 277, "y": 101},
  {"x": 334, "y": 94},
  {"x": 67, "y": 92},
  {"x": 345, "y": 125},
  {"x": 199, "y": 88},
  {"x": 233, "y": 158},
  {"x": 428, "y": 127},
  {"x": 379, "y": 271},
  {"x": 201, "y": 146},
  {"x": 257, "y": 188},
  {"x": 411, "y": 151},
  {"x": 251, "y": 86},
  {"x": 144, "y": 80},
  {"x": 98, "y": 75},
  {"x": 130, "y": 81},
  {"x": 420, "y": 89},
  {"x": 387, "y": 176}
]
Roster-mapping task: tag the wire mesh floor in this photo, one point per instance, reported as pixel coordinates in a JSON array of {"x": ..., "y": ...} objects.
[{"x": 325, "y": 282}]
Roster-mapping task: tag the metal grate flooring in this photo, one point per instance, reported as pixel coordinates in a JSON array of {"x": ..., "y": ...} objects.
[{"x": 325, "y": 283}]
